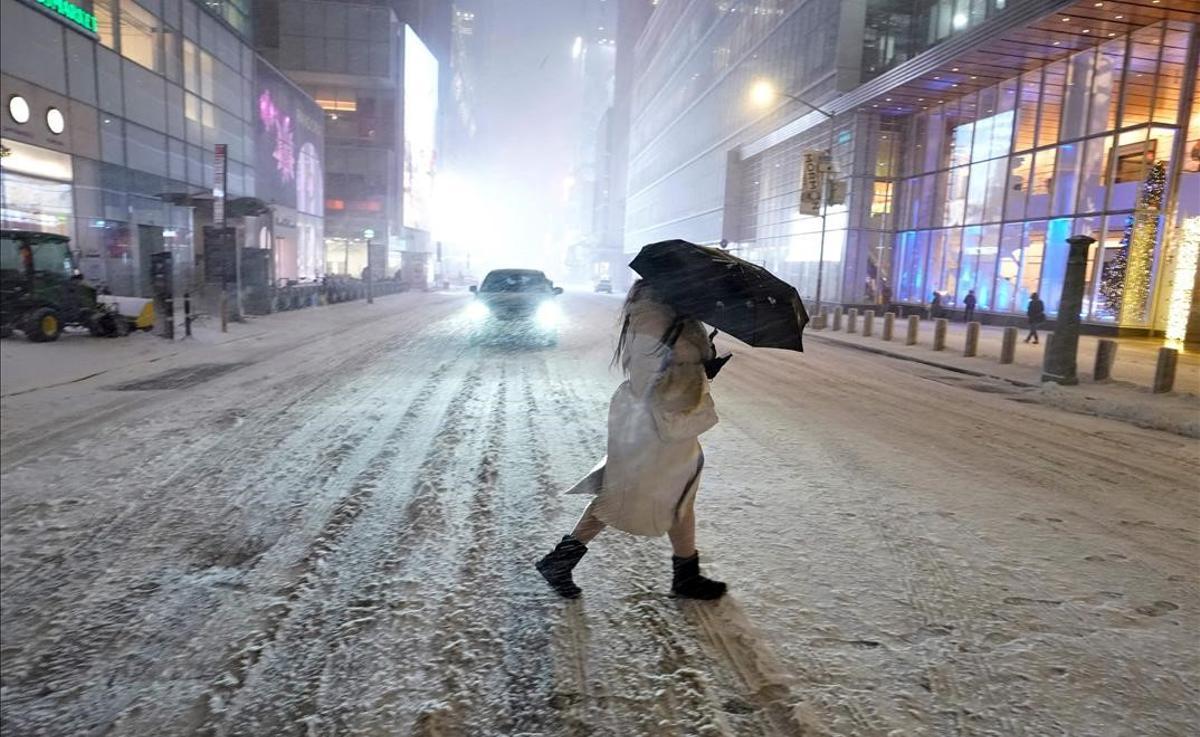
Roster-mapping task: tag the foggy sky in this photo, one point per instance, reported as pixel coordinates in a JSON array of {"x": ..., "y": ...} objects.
[{"x": 528, "y": 107}]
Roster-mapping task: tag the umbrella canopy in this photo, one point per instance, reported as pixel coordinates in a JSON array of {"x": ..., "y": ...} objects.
[{"x": 729, "y": 293}]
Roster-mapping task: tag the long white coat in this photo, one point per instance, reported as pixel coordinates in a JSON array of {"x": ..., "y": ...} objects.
[{"x": 654, "y": 460}]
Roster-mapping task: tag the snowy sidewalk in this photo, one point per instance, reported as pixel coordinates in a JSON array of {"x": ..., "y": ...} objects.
[
  {"x": 76, "y": 356},
  {"x": 1126, "y": 397}
]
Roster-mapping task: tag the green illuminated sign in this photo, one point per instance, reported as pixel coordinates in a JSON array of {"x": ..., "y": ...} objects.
[{"x": 72, "y": 12}]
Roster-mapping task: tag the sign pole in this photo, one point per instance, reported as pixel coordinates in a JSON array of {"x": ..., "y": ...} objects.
[{"x": 369, "y": 234}]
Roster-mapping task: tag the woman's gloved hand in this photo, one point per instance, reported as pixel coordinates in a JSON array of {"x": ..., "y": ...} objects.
[{"x": 713, "y": 366}]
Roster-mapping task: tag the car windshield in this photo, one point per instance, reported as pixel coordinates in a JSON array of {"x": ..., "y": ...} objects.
[{"x": 515, "y": 281}]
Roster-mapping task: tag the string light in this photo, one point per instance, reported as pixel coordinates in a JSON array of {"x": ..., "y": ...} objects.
[
  {"x": 1179, "y": 304},
  {"x": 1125, "y": 280}
]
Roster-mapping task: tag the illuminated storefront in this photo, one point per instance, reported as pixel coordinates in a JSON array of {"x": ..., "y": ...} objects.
[
  {"x": 1104, "y": 142},
  {"x": 112, "y": 110},
  {"x": 289, "y": 144}
]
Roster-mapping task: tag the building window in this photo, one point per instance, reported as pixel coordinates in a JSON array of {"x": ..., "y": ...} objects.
[
  {"x": 1039, "y": 157},
  {"x": 197, "y": 70},
  {"x": 31, "y": 203},
  {"x": 139, "y": 36},
  {"x": 105, "y": 22}
]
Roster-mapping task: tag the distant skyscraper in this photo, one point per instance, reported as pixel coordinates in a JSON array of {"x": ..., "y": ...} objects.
[{"x": 377, "y": 82}]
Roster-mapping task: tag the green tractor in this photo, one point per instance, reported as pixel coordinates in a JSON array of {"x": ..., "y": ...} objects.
[{"x": 42, "y": 291}]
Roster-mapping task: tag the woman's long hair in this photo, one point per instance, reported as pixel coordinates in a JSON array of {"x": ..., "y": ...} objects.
[{"x": 639, "y": 291}]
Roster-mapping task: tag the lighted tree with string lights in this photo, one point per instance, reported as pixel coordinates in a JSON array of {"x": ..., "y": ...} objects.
[{"x": 1125, "y": 280}]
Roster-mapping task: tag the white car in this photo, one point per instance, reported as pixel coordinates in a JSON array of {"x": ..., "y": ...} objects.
[{"x": 516, "y": 303}]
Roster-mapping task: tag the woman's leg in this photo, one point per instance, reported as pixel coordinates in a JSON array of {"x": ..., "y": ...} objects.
[
  {"x": 683, "y": 534},
  {"x": 556, "y": 567},
  {"x": 685, "y": 562},
  {"x": 588, "y": 526}
]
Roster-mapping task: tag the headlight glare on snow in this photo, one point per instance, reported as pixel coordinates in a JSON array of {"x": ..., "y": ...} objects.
[
  {"x": 549, "y": 315},
  {"x": 478, "y": 311}
]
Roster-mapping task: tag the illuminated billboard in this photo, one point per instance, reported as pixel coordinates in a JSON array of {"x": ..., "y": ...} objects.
[
  {"x": 289, "y": 144},
  {"x": 420, "y": 130}
]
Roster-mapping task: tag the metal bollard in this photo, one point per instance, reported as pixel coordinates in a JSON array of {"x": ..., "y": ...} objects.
[
  {"x": 939, "y": 333},
  {"x": 1008, "y": 346},
  {"x": 224, "y": 312},
  {"x": 837, "y": 318},
  {"x": 187, "y": 314},
  {"x": 971, "y": 346},
  {"x": 1106, "y": 355},
  {"x": 914, "y": 328},
  {"x": 1164, "y": 370},
  {"x": 868, "y": 323},
  {"x": 889, "y": 325},
  {"x": 852, "y": 320}
]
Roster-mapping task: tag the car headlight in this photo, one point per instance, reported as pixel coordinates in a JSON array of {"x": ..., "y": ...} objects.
[
  {"x": 478, "y": 311},
  {"x": 549, "y": 315}
]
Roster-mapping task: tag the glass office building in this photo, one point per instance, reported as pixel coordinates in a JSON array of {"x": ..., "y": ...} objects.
[
  {"x": 144, "y": 99},
  {"x": 143, "y": 91},
  {"x": 695, "y": 61},
  {"x": 970, "y": 139},
  {"x": 1102, "y": 143}
]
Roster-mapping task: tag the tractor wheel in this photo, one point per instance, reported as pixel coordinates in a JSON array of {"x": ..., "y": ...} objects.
[{"x": 43, "y": 326}]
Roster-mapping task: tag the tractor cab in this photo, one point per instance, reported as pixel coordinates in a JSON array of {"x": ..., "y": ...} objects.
[{"x": 42, "y": 289}]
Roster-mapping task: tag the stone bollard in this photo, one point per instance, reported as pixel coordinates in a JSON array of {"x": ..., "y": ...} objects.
[
  {"x": 939, "y": 333},
  {"x": 868, "y": 323},
  {"x": 837, "y": 318},
  {"x": 852, "y": 320},
  {"x": 971, "y": 346},
  {"x": 914, "y": 327},
  {"x": 1008, "y": 346},
  {"x": 1164, "y": 371},
  {"x": 1060, "y": 356},
  {"x": 1106, "y": 354},
  {"x": 820, "y": 321},
  {"x": 889, "y": 325}
]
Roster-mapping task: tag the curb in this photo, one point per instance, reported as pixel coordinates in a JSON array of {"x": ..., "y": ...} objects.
[{"x": 922, "y": 361}]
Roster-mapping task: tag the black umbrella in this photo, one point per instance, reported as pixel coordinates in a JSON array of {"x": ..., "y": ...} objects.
[{"x": 729, "y": 293}]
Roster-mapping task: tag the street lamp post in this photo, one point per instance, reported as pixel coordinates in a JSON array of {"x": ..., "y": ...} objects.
[
  {"x": 369, "y": 233},
  {"x": 763, "y": 93}
]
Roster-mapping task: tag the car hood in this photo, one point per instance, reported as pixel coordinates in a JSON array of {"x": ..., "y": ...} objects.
[{"x": 513, "y": 304}]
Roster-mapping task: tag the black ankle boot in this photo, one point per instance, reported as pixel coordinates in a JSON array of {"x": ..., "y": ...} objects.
[
  {"x": 690, "y": 584},
  {"x": 556, "y": 567}
]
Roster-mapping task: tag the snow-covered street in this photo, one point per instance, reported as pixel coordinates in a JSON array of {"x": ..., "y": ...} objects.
[{"x": 327, "y": 524}]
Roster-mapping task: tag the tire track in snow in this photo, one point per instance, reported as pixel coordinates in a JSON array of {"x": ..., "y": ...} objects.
[
  {"x": 467, "y": 650},
  {"x": 583, "y": 705},
  {"x": 329, "y": 522},
  {"x": 187, "y": 478},
  {"x": 109, "y": 614},
  {"x": 338, "y": 600}
]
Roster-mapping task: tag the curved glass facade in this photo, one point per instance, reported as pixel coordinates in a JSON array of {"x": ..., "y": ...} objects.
[{"x": 994, "y": 182}]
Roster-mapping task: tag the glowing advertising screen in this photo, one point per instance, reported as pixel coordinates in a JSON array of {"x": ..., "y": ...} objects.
[
  {"x": 420, "y": 130},
  {"x": 289, "y": 136}
]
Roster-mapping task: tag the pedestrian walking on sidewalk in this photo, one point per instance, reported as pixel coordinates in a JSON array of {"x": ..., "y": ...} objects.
[
  {"x": 935, "y": 306},
  {"x": 969, "y": 304},
  {"x": 1036, "y": 314},
  {"x": 647, "y": 484}
]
